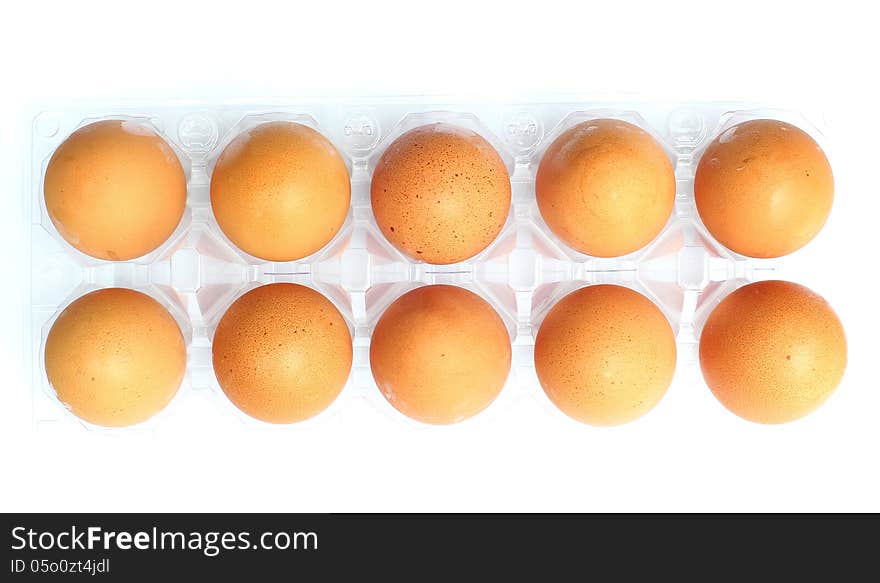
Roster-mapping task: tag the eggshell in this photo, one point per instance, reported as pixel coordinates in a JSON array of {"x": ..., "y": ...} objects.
[
  {"x": 605, "y": 355},
  {"x": 440, "y": 193},
  {"x": 115, "y": 357},
  {"x": 115, "y": 190},
  {"x": 772, "y": 351},
  {"x": 282, "y": 353},
  {"x": 764, "y": 188},
  {"x": 440, "y": 354},
  {"x": 280, "y": 191},
  {"x": 605, "y": 187}
]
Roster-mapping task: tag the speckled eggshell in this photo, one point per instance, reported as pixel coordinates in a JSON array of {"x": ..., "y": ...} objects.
[
  {"x": 772, "y": 351},
  {"x": 440, "y": 193},
  {"x": 282, "y": 353},
  {"x": 764, "y": 188},
  {"x": 605, "y": 187},
  {"x": 605, "y": 355},
  {"x": 115, "y": 190},
  {"x": 280, "y": 191},
  {"x": 115, "y": 357},
  {"x": 440, "y": 354}
]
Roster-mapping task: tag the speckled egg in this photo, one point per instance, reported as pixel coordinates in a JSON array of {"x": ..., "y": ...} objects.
[
  {"x": 605, "y": 355},
  {"x": 772, "y": 351},
  {"x": 280, "y": 191},
  {"x": 764, "y": 188},
  {"x": 440, "y": 354},
  {"x": 282, "y": 353},
  {"x": 605, "y": 187},
  {"x": 440, "y": 193},
  {"x": 115, "y": 190},
  {"x": 115, "y": 357}
]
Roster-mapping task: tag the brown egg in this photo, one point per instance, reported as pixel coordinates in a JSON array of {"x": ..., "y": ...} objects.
[
  {"x": 280, "y": 191},
  {"x": 282, "y": 353},
  {"x": 115, "y": 190},
  {"x": 440, "y": 354},
  {"x": 115, "y": 357},
  {"x": 764, "y": 188},
  {"x": 440, "y": 193},
  {"x": 772, "y": 351},
  {"x": 605, "y": 187},
  {"x": 605, "y": 355}
]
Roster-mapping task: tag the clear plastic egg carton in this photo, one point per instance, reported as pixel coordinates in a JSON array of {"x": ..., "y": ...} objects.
[{"x": 197, "y": 273}]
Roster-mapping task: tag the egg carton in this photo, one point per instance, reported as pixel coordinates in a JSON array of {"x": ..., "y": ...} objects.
[{"x": 197, "y": 273}]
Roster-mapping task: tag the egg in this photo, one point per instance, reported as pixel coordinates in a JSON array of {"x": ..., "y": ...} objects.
[
  {"x": 115, "y": 357},
  {"x": 605, "y": 355},
  {"x": 772, "y": 351},
  {"x": 605, "y": 187},
  {"x": 440, "y": 193},
  {"x": 764, "y": 188},
  {"x": 282, "y": 353},
  {"x": 440, "y": 354},
  {"x": 115, "y": 190},
  {"x": 280, "y": 191}
]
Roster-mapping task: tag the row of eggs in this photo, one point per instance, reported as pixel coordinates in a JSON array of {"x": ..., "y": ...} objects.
[
  {"x": 771, "y": 352},
  {"x": 440, "y": 193}
]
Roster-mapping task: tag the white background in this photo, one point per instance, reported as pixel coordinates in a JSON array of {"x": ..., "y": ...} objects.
[{"x": 688, "y": 454}]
